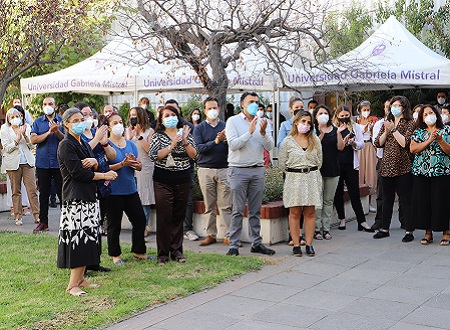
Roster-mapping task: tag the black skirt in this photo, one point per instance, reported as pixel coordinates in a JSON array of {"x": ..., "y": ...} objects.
[
  {"x": 430, "y": 202},
  {"x": 79, "y": 234}
]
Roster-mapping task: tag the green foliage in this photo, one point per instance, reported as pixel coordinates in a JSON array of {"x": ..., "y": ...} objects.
[
  {"x": 46, "y": 36},
  {"x": 124, "y": 110},
  {"x": 32, "y": 289},
  {"x": 273, "y": 186},
  {"x": 420, "y": 17},
  {"x": 346, "y": 31},
  {"x": 194, "y": 101}
]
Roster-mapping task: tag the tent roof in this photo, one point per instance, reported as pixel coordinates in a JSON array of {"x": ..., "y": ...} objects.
[
  {"x": 116, "y": 68},
  {"x": 390, "y": 58}
]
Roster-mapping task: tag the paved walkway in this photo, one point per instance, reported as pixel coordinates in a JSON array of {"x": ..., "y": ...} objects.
[{"x": 354, "y": 282}]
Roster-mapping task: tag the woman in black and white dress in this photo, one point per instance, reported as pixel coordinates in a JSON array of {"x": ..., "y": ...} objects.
[{"x": 79, "y": 237}]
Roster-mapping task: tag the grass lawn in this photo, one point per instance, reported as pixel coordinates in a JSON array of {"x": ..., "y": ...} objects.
[{"x": 32, "y": 288}]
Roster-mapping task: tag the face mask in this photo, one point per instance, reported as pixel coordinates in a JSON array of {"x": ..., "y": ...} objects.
[
  {"x": 16, "y": 121},
  {"x": 89, "y": 122},
  {"x": 302, "y": 128},
  {"x": 441, "y": 100},
  {"x": 430, "y": 120},
  {"x": 296, "y": 111},
  {"x": 95, "y": 121},
  {"x": 144, "y": 106},
  {"x": 444, "y": 118},
  {"x": 133, "y": 121},
  {"x": 344, "y": 120},
  {"x": 260, "y": 113},
  {"x": 79, "y": 128},
  {"x": 16, "y": 104},
  {"x": 170, "y": 122},
  {"x": 415, "y": 115},
  {"x": 269, "y": 115},
  {"x": 48, "y": 110},
  {"x": 396, "y": 111},
  {"x": 252, "y": 109},
  {"x": 195, "y": 117},
  {"x": 212, "y": 114},
  {"x": 117, "y": 129},
  {"x": 365, "y": 114},
  {"x": 323, "y": 119}
]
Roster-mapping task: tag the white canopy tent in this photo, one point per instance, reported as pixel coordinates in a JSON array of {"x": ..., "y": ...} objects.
[
  {"x": 115, "y": 69},
  {"x": 391, "y": 58}
]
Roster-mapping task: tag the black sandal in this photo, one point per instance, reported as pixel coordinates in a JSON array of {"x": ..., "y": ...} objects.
[{"x": 427, "y": 239}]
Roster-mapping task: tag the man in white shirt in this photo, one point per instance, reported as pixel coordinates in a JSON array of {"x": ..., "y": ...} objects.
[{"x": 247, "y": 136}]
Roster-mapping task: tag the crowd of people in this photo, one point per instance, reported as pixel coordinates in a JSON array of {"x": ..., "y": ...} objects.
[{"x": 102, "y": 165}]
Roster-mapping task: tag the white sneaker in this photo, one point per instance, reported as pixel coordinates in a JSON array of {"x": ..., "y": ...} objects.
[
  {"x": 372, "y": 209},
  {"x": 191, "y": 235},
  {"x": 19, "y": 222}
]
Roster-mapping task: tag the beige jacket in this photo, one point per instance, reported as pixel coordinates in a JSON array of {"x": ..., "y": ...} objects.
[{"x": 11, "y": 151}]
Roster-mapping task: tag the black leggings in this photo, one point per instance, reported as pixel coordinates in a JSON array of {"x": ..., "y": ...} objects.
[
  {"x": 351, "y": 178},
  {"x": 403, "y": 184},
  {"x": 131, "y": 205}
]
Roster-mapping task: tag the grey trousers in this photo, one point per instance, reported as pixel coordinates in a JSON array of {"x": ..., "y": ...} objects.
[
  {"x": 247, "y": 185},
  {"x": 323, "y": 216}
]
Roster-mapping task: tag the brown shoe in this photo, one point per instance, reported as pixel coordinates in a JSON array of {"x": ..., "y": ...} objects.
[
  {"x": 226, "y": 241},
  {"x": 207, "y": 241}
]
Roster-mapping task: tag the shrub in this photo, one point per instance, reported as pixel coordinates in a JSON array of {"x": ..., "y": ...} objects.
[{"x": 273, "y": 186}]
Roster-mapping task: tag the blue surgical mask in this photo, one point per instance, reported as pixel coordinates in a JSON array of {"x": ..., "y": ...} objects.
[
  {"x": 79, "y": 128},
  {"x": 269, "y": 115},
  {"x": 170, "y": 122},
  {"x": 396, "y": 111},
  {"x": 252, "y": 109}
]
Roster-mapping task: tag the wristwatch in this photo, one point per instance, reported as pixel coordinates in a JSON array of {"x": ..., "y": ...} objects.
[{"x": 140, "y": 138}]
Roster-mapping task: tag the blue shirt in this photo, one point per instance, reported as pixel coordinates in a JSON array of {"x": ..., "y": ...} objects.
[
  {"x": 125, "y": 184},
  {"x": 47, "y": 150},
  {"x": 285, "y": 128}
]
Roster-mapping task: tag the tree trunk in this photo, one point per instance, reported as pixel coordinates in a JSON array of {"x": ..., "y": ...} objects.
[
  {"x": 219, "y": 84},
  {"x": 3, "y": 86}
]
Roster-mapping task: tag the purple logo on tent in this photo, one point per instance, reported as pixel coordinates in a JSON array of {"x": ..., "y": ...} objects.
[{"x": 377, "y": 50}]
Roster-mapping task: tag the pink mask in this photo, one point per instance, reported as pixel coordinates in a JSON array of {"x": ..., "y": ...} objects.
[{"x": 302, "y": 128}]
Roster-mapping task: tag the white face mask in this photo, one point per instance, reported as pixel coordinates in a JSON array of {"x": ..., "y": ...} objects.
[
  {"x": 48, "y": 110},
  {"x": 444, "y": 118},
  {"x": 212, "y": 114},
  {"x": 260, "y": 113},
  {"x": 430, "y": 119},
  {"x": 365, "y": 114},
  {"x": 95, "y": 122},
  {"x": 16, "y": 121},
  {"x": 323, "y": 119},
  {"x": 144, "y": 106},
  {"x": 195, "y": 117},
  {"x": 415, "y": 115},
  {"x": 441, "y": 100},
  {"x": 117, "y": 129},
  {"x": 16, "y": 104},
  {"x": 89, "y": 123}
]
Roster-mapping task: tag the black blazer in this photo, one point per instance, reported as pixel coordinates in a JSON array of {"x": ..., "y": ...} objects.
[{"x": 77, "y": 181}]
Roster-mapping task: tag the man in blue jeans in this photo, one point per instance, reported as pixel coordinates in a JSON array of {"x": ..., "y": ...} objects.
[
  {"x": 247, "y": 137},
  {"x": 46, "y": 133}
]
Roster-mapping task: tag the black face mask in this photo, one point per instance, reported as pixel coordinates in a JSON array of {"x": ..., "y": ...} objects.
[
  {"x": 344, "y": 120},
  {"x": 297, "y": 111},
  {"x": 133, "y": 121}
]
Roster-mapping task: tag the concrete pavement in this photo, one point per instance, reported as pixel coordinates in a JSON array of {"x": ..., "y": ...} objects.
[{"x": 354, "y": 282}]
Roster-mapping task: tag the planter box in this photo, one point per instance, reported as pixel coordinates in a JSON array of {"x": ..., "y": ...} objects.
[{"x": 274, "y": 219}]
